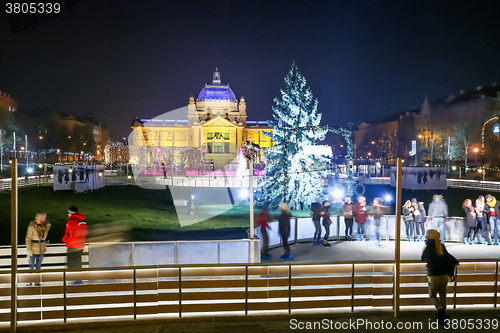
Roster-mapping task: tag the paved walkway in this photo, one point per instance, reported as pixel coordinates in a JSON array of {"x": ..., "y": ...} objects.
[
  {"x": 349, "y": 251},
  {"x": 410, "y": 322}
]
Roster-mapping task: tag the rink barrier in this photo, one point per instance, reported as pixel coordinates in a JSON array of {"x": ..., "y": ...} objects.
[
  {"x": 302, "y": 229},
  {"x": 125, "y": 254},
  {"x": 187, "y": 291}
]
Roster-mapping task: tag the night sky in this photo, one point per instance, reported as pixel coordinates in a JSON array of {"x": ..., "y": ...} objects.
[{"x": 362, "y": 59}]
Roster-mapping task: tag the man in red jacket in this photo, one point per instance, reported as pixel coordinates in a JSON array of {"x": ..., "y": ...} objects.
[{"x": 76, "y": 231}]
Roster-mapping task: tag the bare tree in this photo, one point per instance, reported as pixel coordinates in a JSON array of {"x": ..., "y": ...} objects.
[{"x": 463, "y": 139}]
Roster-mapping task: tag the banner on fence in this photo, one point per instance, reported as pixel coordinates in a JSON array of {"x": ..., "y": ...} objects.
[
  {"x": 421, "y": 178},
  {"x": 80, "y": 178}
]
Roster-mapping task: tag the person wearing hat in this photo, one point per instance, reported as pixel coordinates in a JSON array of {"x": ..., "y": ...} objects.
[
  {"x": 438, "y": 212},
  {"x": 436, "y": 256},
  {"x": 76, "y": 231},
  {"x": 419, "y": 218}
]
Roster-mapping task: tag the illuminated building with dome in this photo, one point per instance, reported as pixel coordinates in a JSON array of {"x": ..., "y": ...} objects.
[{"x": 216, "y": 122}]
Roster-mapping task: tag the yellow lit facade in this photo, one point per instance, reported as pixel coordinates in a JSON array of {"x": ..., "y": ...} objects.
[{"x": 216, "y": 122}]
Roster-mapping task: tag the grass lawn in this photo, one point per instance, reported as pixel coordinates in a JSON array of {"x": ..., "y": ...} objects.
[{"x": 150, "y": 215}]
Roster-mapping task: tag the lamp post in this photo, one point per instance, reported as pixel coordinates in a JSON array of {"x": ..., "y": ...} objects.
[
  {"x": 251, "y": 150},
  {"x": 475, "y": 150}
]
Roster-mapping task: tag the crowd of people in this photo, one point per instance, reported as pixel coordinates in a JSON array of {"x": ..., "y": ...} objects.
[
  {"x": 415, "y": 218},
  {"x": 482, "y": 220}
]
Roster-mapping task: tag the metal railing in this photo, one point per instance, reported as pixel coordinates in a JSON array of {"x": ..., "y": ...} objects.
[
  {"x": 474, "y": 184},
  {"x": 158, "y": 292},
  {"x": 6, "y": 183}
]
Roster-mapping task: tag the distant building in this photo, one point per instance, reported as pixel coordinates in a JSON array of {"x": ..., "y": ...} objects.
[
  {"x": 216, "y": 122},
  {"x": 85, "y": 134},
  {"x": 431, "y": 125},
  {"x": 7, "y": 103}
]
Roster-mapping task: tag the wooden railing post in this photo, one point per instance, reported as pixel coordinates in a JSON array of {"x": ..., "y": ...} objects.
[
  {"x": 495, "y": 290},
  {"x": 65, "y": 298},
  {"x": 289, "y": 289},
  {"x": 397, "y": 240},
  {"x": 246, "y": 290},
  {"x": 14, "y": 241},
  {"x": 180, "y": 292},
  {"x": 135, "y": 294},
  {"x": 455, "y": 289},
  {"x": 352, "y": 288}
]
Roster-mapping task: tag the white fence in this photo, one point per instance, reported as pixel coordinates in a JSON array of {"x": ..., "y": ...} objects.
[
  {"x": 474, "y": 184},
  {"x": 201, "y": 181},
  {"x": 6, "y": 183},
  {"x": 302, "y": 229},
  {"x": 145, "y": 254}
]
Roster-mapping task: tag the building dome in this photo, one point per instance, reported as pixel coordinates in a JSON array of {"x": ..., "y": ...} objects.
[{"x": 216, "y": 90}]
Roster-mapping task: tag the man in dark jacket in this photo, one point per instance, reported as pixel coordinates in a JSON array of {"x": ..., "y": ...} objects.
[
  {"x": 437, "y": 213},
  {"x": 284, "y": 228},
  {"x": 316, "y": 218},
  {"x": 76, "y": 231}
]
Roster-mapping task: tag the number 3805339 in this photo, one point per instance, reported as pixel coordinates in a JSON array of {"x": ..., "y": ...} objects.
[{"x": 32, "y": 8}]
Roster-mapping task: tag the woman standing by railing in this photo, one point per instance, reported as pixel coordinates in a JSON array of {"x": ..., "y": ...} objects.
[{"x": 36, "y": 239}]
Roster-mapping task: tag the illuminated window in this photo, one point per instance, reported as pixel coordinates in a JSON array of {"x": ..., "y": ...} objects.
[
  {"x": 226, "y": 136},
  {"x": 210, "y": 135},
  {"x": 218, "y": 147}
]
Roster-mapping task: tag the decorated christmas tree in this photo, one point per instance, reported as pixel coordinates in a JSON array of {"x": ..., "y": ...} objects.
[{"x": 292, "y": 173}]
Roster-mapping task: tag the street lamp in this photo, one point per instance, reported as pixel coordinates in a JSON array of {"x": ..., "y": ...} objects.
[
  {"x": 251, "y": 151},
  {"x": 475, "y": 150}
]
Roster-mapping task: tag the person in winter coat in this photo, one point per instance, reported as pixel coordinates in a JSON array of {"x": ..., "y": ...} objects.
[
  {"x": 360, "y": 211},
  {"x": 76, "y": 231},
  {"x": 262, "y": 221},
  {"x": 419, "y": 218},
  {"x": 316, "y": 218},
  {"x": 325, "y": 214},
  {"x": 348, "y": 211},
  {"x": 481, "y": 226},
  {"x": 494, "y": 206},
  {"x": 485, "y": 214},
  {"x": 408, "y": 218},
  {"x": 284, "y": 228},
  {"x": 377, "y": 211},
  {"x": 438, "y": 213},
  {"x": 435, "y": 255},
  {"x": 470, "y": 221},
  {"x": 36, "y": 240}
]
